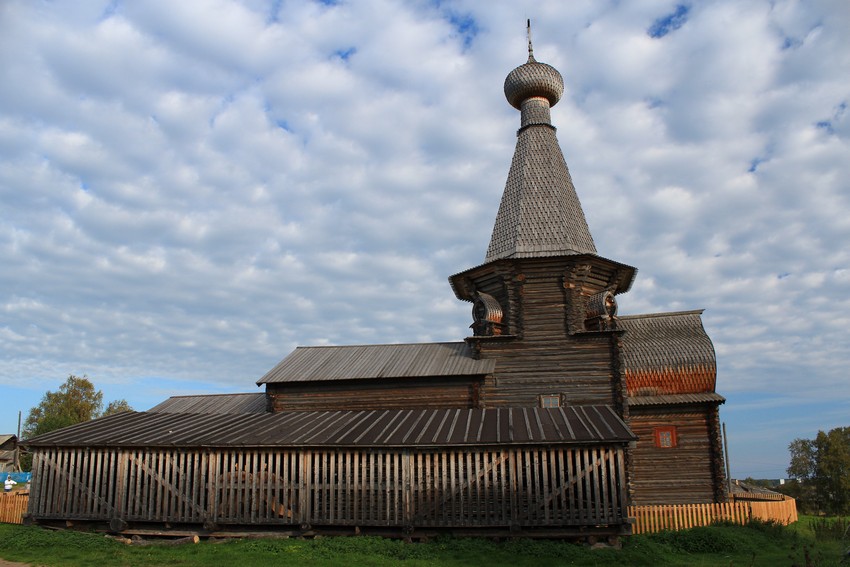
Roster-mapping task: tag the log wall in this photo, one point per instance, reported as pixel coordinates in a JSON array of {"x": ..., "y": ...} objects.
[
  {"x": 517, "y": 487},
  {"x": 684, "y": 473},
  {"x": 579, "y": 370},
  {"x": 544, "y": 357},
  {"x": 348, "y": 395}
]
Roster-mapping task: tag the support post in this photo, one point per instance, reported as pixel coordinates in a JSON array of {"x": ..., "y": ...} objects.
[{"x": 726, "y": 458}]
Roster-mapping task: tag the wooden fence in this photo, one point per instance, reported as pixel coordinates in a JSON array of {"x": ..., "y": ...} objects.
[
  {"x": 551, "y": 487},
  {"x": 782, "y": 511},
  {"x": 13, "y": 505},
  {"x": 650, "y": 519}
]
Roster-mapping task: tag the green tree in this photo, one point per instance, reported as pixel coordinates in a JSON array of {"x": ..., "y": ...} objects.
[
  {"x": 832, "y": 478},
  {"x": 803, "y": 460},
  {"x": 821, "y": 467},
  {"x": 116, "y": 406},
  {"x": 76, "y": 401}
]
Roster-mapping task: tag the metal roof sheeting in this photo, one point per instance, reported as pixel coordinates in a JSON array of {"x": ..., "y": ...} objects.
[
  {"x": 377, "y": 428},
  {"x": 213, "y": 403},
  {"x": 698, "y": 398},
  {"x": 308, "y": 364}
]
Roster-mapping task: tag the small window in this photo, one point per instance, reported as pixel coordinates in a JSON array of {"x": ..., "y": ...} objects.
[
  {"x": 665, "y": 437},
  {"x": 550, "y": 401}
]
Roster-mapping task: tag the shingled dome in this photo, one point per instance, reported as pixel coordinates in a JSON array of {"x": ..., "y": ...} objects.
[{"x": 533, "y": 79}]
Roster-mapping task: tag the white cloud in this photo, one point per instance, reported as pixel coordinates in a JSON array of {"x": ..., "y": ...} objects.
[{"x": 189, "y": 191}]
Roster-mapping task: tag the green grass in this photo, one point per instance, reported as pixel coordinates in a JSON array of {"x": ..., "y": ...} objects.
[{"x": 720, "y": 545}]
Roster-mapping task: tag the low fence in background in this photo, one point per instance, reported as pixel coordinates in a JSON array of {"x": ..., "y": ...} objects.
[
  {"x": 13, "y": 506},
  {"x": 783, "y": 511},
  {"x": 650, "y": 519}
]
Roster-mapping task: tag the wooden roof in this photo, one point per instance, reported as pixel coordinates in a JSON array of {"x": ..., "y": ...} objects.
[
  {"x": 540, "y": 213},
  {"x": 605, "y": 272},
  {"x": 8, "y": 443},
  {"x": 746, "y": 491},
  {"x": 676, "y": 399},
  {"x": 308, "y": 364},
  {"x": 378, "y": 428},
  {"x": 253, "y": 402},
  {"x": 667, "y": 353}
]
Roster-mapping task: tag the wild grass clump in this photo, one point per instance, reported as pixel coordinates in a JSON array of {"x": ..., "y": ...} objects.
[
  {"x": 826, "y": 529},
  {"x": 706, "y": 539},
  {"x": 771, "y": 529}
]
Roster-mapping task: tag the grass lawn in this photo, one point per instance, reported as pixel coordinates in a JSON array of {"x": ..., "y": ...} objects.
[{"x": 722, "y": 545}]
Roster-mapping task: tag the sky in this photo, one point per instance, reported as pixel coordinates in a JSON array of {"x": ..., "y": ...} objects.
[{"x": 189, "y": 190}]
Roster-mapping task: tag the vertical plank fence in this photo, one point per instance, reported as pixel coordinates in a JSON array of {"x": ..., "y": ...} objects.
[
  {"x": 650, "y": 519},
  {"x": 484, "y": 487},
  {"x": 13, "y": 505},
  {"x": 782, "y": 511}
]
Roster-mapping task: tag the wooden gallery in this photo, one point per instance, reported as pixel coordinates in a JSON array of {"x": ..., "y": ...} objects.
[{"x": 554, "y": 416}]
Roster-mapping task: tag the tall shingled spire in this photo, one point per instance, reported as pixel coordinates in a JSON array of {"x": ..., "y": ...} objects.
[{"x": 540, "y": 214}]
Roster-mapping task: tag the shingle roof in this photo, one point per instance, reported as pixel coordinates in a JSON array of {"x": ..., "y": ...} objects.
[
  {"x": 667, "y": 353},
  {"x": 307, "y": 364},
  {"x": 533, "y": 79},
  {"x": 377, "y": 428},
  {"x": 254, "y": 402},
  {"x": 540, "y": 213}
]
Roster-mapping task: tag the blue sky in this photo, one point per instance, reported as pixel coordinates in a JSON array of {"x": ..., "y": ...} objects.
[{"x": 190, "y": 190}]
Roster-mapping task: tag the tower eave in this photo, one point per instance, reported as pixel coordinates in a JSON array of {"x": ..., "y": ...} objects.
[{"x": 622, "y": 275}]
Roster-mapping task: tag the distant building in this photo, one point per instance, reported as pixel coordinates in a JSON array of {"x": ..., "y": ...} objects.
[
  {"x": 8, "y": 453},
  {"x": 552, "y": 416}
]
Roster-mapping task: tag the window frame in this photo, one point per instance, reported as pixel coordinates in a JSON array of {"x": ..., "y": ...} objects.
[
  {"x": 658, "y": 432},
  {"x": 557, "y": 398}
]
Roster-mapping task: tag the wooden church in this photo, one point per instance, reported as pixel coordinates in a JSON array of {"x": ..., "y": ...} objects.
[{"x": 551, "y": 418}]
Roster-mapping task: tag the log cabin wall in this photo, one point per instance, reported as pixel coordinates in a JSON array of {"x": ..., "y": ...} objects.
[
  {"x": 718, "y": 463},
  {"x": 407, "y": 393},
  {"x": 690, "y": 471},
  {"x": 541, "y": 356},
  {"x": 470, "y": 487},
  {"x": 576, "y": 369},
  {"x": 535, "y": 292}
]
